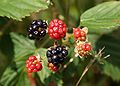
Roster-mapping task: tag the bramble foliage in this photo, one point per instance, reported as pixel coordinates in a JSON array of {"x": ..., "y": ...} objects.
[{"x": 15, "y": 48}]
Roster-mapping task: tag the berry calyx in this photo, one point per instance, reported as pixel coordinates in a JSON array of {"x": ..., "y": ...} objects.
[{"x": 57, "y": 29}]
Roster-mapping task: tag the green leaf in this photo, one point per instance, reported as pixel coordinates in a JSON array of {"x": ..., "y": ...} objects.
[
  {"x": 18, "y": 9},
  {"x": 46, "y": 75},
  {"x": 22, "y": 45},
  {"x": 57, "y": 79},
  {"x": 111, "y": 70},
  {"x": 14, "y": 45},
  {"x": 103, "y": 31},
  {"x": 15, "y": 77},
  {"x": 105, "y": 15},
  {"x": 3, "y": 63},
  {"x": 111, "y": 66}
]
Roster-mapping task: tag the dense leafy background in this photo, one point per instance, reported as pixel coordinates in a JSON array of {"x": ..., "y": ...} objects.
[{"x": 102, "y": 20}]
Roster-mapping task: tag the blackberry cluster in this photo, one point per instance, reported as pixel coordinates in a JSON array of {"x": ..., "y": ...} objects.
[
  {"x": 56, "y": 56},
  {"x": 37, "y": 29}
]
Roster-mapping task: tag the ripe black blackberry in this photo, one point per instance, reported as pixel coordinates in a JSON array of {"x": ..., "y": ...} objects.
[
  {"x": 56, "y": 55},
  {"x": 37, "y": 29}
]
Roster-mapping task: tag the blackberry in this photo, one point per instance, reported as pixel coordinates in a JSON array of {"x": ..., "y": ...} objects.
[
  {"x": 54, "y": 51},
  {"x": 55, "y": 63},
  {"x": 30, "y": 29},
  {"x": 44, "y": 25},
  {"x": 43, "y": 33},
  {"x": 39, "y": 22},
  {"x": 30, "y": 36},
  {"x": 60, "y": 55},
  {"x": 59, "y": 49},
  {"x": 61, "y": 60},
  {"x": 65, "y": 52},
  {"x": 49, "y": 53},
  {"x": 36, "y": 33},
  {"x": 50, "y": 60},
  {"x": 33, "y": 22},
  {"x": 37, "y": 29},
  {"x": 56, "y": 56}
]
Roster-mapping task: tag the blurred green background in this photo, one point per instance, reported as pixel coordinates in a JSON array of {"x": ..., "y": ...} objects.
[{"x": 69, "y": 11}]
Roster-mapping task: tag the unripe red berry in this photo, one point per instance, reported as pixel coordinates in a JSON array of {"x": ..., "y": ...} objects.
[
  {"x": 31, "y": 58},
  {"x": 35, "y": 70},
  {"x": 50, "y": 31},
  {"x": 29, "y": 70},
  {"x": 83, "y": 49},
  {"x": 88, "y": 47},
  {"x": 58, "y": 29},
  {"x": 50, "y": 68},
  {"x": 51, "y": 35},
  {"x": 40, "y": 68},
  {"x": 64, "y": 30},
  {"x": 82, "y": 33},
  {"x": 27, "y": 65},
  {"x": 62, "y": 35},
  {"x": 58, "y": 39},
  {"x": 56, "y": 24},
  {"x": 64, "y": 25},
  {"x": 60, "y": 22},
  {"x": 55, "y": 29},
  {"x": 77, "y": 34},
  {"x": 56, "y": 20},
  {"x": 54, "y": 68},
  {"x": 51, "y": 25},
  {"x": 38, "y": 65},
  {"x": 30, "y": 63},
  {"x": 75, "y": 30},
  {"x": 56, "y": 35},
  {"x": 83, "y": 38},
  {"x": 27, "y": 61},
  {"x": 32, "y": 66}
]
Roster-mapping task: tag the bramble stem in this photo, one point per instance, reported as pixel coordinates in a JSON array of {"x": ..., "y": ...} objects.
[
  {"x": 5, "y": 27},
  {"x": 89, "y": 65},
  {"x": 65, "y": 66}
]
